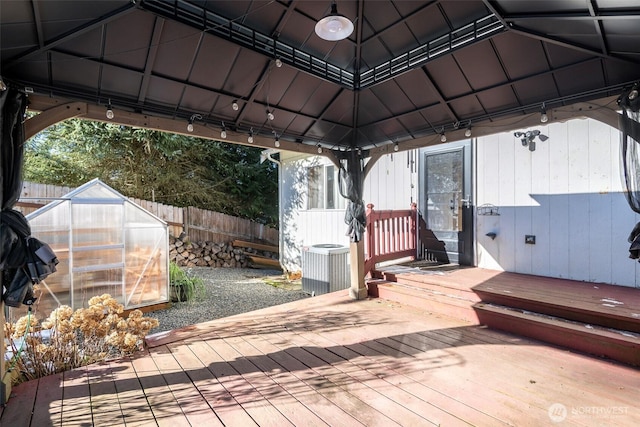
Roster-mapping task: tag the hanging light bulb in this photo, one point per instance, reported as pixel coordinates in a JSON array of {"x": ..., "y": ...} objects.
[
  {"x": 191, "y": 119},
  {"x": 443, "y": 137},
  {"x": 395, "y": 147},
  {"x": 235, "y": 105},
  {"x": 319, "y": 149},
  {"x": 277, "y": 142},
  {"x": 633, "y": 94},
  {"x": 278, "y": 62},
  {"x": 334, "y": 26},
  {"x": 3, "y": 85},
  {"x": 109, "y": 113},
  {"x": 250, "y": 138},
  {"x": 223, "y": 132},
  {"x": 467, "y": 132},
  {"x": 270, "y": 115},
  {"x": 543, "y": 114}
]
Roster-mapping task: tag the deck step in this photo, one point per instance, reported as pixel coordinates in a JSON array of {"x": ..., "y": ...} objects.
[
  {"x": 592, "y": 305},
  {"x": 622, "y": 346},
  {"x": 435, "y": 301}
]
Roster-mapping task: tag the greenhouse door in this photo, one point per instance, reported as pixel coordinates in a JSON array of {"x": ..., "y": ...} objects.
[{"x": 449, "y": 211}]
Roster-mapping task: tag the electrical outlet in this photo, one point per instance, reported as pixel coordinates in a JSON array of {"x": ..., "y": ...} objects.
[{"x": 530, "y": 239}]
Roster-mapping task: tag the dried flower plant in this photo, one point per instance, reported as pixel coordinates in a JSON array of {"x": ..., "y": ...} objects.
[{"x": 68, "y": 339}]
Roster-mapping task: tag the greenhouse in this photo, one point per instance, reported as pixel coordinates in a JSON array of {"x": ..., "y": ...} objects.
[{"x": 105, "y": 244}]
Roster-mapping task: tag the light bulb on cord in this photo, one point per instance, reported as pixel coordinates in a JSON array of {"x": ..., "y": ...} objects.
[
  {"x": 443, "y": 137},
  {"x": 277, "y": 142},
  {"x": 319, "y": 149},
  {"x": 467, "y": 132},
  {"x": 235, "y": 105},
  {"x": 191, "y": 119},
  {"x": 278, "y": 62},
  {"x": 543, "y": 115},
  {"x": 250, "y": 138},
  {"x": 395, "y": 147},
  {"x": 109, "y": 113},
  {"x": 270, "y": 115},
  {"x": 223, "y": 132}
]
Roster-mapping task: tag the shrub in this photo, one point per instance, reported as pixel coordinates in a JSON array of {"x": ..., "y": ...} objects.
[{"x": 68, "y": 339}]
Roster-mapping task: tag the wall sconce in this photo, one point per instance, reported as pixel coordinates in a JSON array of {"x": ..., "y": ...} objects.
[
  {"x": 334, "y": 26},
  {"x": 528, "y": 138},
  {"x": 109, "y": 113},
  {"x": 191, "y": 119}
]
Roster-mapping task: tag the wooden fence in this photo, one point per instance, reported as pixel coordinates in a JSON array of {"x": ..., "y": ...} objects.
[{"x": 198, "y": 224}]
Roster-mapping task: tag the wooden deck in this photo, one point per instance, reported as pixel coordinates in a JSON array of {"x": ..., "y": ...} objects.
[{"x": 329, "y": 360}]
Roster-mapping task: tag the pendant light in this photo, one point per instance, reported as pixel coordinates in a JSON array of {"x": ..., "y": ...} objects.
[{"x": 334, "y": 26}]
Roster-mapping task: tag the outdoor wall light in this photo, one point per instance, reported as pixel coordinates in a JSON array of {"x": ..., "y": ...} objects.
[
  {"x": 334, "y": 26},
  {"x": 109, "y": 113},
  {"x": 235, "y": 105},
  {"x": 270, "y": 115},
  {"x": 191, "y": 119},
  {"x": 223, "y": 132},
  {"x": 528, "y": 138},
  {"x": 543, "y": 114}
]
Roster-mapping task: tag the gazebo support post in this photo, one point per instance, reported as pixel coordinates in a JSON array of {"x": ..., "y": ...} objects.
[{"x": 358, "y": 289}]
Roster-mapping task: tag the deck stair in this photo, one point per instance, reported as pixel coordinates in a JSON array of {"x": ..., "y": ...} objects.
[
  {"x": 598, "y": 319},
  {"x": 425, "y": 290}
]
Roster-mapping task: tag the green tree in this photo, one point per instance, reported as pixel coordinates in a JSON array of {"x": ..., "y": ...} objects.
[{"x": 152, "y": 165}]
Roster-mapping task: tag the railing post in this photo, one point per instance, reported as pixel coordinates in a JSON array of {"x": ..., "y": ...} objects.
[{"x": 413, "y": 226}]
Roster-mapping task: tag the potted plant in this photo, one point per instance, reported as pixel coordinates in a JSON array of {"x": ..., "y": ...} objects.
[{"x": 183, "y": 285}]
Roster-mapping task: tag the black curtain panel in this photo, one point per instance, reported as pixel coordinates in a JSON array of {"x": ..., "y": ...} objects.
[
  {"x": 24, "y": 260},
  {"x": 351, "y": 188},
  {"x": 629, "y": 123}
]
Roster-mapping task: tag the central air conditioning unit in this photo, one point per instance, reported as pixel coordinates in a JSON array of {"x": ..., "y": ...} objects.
[{"x": 325, "y": 268}]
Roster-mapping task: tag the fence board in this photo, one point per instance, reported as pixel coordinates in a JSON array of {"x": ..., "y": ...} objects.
[{"x": 199, "y": 224}]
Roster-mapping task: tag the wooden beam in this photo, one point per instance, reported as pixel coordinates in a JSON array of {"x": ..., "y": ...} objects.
[{"x": 53, "y": 115}]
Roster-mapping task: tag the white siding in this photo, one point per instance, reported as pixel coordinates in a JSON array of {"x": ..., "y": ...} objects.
[
  {"x": 389, "y": 185},
  {"x": 568, "y": 193}
]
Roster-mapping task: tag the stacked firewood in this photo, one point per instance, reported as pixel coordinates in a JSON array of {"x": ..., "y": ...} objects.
[{"x": 211, "y": 254}]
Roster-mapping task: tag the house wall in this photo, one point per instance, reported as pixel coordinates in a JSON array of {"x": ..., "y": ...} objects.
[
  {"x": 391, "y": 184},
  {"x": 568, "y": 193}
]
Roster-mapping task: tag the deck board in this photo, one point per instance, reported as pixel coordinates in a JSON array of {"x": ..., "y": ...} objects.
[{"x": 332, "y": 361}]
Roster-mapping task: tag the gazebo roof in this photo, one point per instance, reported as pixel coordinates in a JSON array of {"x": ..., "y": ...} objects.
[{"x": 410, "y": 70}]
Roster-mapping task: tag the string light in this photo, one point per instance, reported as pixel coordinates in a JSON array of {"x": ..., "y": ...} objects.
[
  {"x": 235, "y": 105},
  {"x": 443, "y": 137},
  {"x": 191, "y": 119},
  {"x": 467, "y": 132},
  {"x": 270, "y": 115},
  {"x": 543, "y": 114},
  {"x": 250, "y": 138},
  {"x": 277, "y": 142},
  {"x": 223, "y": 132},
  {"x": 319, "y": 149},
  {"x": 109, "y": 113},
  {"x": 395, "y": 147},
  {"x": 278, "y": 62}
]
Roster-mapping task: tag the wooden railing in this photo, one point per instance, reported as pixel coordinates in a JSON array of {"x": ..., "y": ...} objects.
[{"x": 391, "y": 234}]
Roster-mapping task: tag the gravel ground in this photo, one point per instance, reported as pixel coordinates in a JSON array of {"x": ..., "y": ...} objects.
[{"x": 228, "y": 291}]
